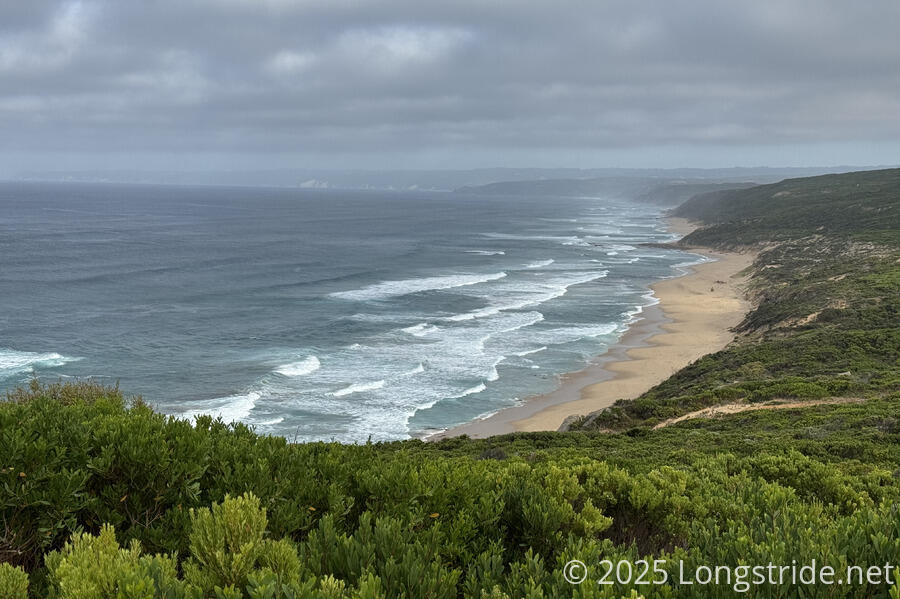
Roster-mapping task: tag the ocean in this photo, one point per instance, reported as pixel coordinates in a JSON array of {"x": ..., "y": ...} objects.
[{"x": 318, "y": 314}]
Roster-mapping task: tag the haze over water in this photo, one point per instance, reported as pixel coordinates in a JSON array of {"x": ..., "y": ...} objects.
[{"x": 318, "y": 314}]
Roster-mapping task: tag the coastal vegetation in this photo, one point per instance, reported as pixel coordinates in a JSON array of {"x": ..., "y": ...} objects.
[
  {"x": 102, "y": 497},
  {"x": 826, "y": 293}
]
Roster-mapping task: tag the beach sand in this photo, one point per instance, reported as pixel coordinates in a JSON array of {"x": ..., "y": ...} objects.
[{"x": 693, "y": 318}]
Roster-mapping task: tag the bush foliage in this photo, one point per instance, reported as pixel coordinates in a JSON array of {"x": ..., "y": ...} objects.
[{"x": 222, "y": 512}]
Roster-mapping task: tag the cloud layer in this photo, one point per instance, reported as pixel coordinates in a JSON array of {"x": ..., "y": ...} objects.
[{"x": 456, "y": 81}]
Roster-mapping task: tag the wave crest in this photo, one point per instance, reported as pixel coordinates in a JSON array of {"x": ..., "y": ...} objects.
[
  {"x": 358, "y": 388},
  {"x": 388, "y": 289},
  {"x": 301, "y": 368},
  {"x": 540, "y": 263},
  {"x": 13, "y": 362},
  {"x": 232, "y": 408}
]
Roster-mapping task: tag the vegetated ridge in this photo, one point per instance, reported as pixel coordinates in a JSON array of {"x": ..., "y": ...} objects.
[{"x": 826, "y": 290}]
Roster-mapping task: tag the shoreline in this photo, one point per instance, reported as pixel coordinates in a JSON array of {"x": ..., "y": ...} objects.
[{"x": 692, "y": 318}]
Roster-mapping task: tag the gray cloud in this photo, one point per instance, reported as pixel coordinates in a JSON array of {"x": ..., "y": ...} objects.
[{"x": 452, "y": 82}]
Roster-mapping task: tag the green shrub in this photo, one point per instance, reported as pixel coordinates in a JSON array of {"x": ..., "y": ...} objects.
[
  {"x": 13, "y": 582},
  {"x": 96, "y": 567},
  {"x": 226, "y": 543}
]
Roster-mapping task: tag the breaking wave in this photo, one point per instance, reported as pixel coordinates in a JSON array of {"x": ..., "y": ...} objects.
[
  {"x": 13, "y": 362},
  {"x": 301, "y": 368},
  {"x": 388, "y": 289},
  {"x": 359, "y": 388}
]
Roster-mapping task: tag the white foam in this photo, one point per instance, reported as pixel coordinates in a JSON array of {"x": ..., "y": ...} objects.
[
  {"x": 417, "y": 370},
  {"x": 598, "y": 229},
  {"x": 232, "y": 408},
  {"x": 359, "y": 388},
  {"x": 494, "y": 374},
  {"x": 487, "y": 252},
  {"x": 540, "y": 264},
  {"x": 525, "y": 319},
  {"x": 421, "y": 330},
  {"x": 682, "y": 266},
  {"x": 471, "y": 391},
  {"x": 239, "y": 407},
  {"x": 387, "y": 289},
  {"x": 536, "y": 295},
  {"x": 560, "y": 239},
  {"x": 572, "y": 334},
  {"x": 14, "y": 362},
  {"x": 301, "y": 368},
  {"x": 632, "y": 315},
  {"x": 651, "y": 298},
  {"x": 522, "y": 354},
  {"x": 480, "y": 313}
]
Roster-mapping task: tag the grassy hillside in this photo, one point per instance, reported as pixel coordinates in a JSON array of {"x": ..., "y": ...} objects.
[
  {"x": 101, "y": 497},
  {"x": 826, "y": 287},
  {"x": 675, "y": 193},
  {"x": 863, "y": 206}
]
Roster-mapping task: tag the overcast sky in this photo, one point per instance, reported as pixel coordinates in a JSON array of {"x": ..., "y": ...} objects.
[{"x": 428, "y": 84}]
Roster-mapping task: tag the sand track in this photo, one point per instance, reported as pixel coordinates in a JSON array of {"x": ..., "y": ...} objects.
[{"x": 736, "y": 408}]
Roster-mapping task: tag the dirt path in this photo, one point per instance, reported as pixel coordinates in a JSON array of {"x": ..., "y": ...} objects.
[{"x": 734, "y": 408}]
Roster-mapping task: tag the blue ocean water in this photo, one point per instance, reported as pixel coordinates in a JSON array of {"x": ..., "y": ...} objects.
[{"x": 318, "y": 314}]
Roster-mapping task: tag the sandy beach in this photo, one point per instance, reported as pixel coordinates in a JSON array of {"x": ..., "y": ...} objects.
[{"x": 693, "y": 318}]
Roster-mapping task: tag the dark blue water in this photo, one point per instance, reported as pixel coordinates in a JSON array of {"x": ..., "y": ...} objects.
[{"x": 315, "y": 313}]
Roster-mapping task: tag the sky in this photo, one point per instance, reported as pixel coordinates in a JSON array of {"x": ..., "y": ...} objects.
[{"x": 396, "y": 84}]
